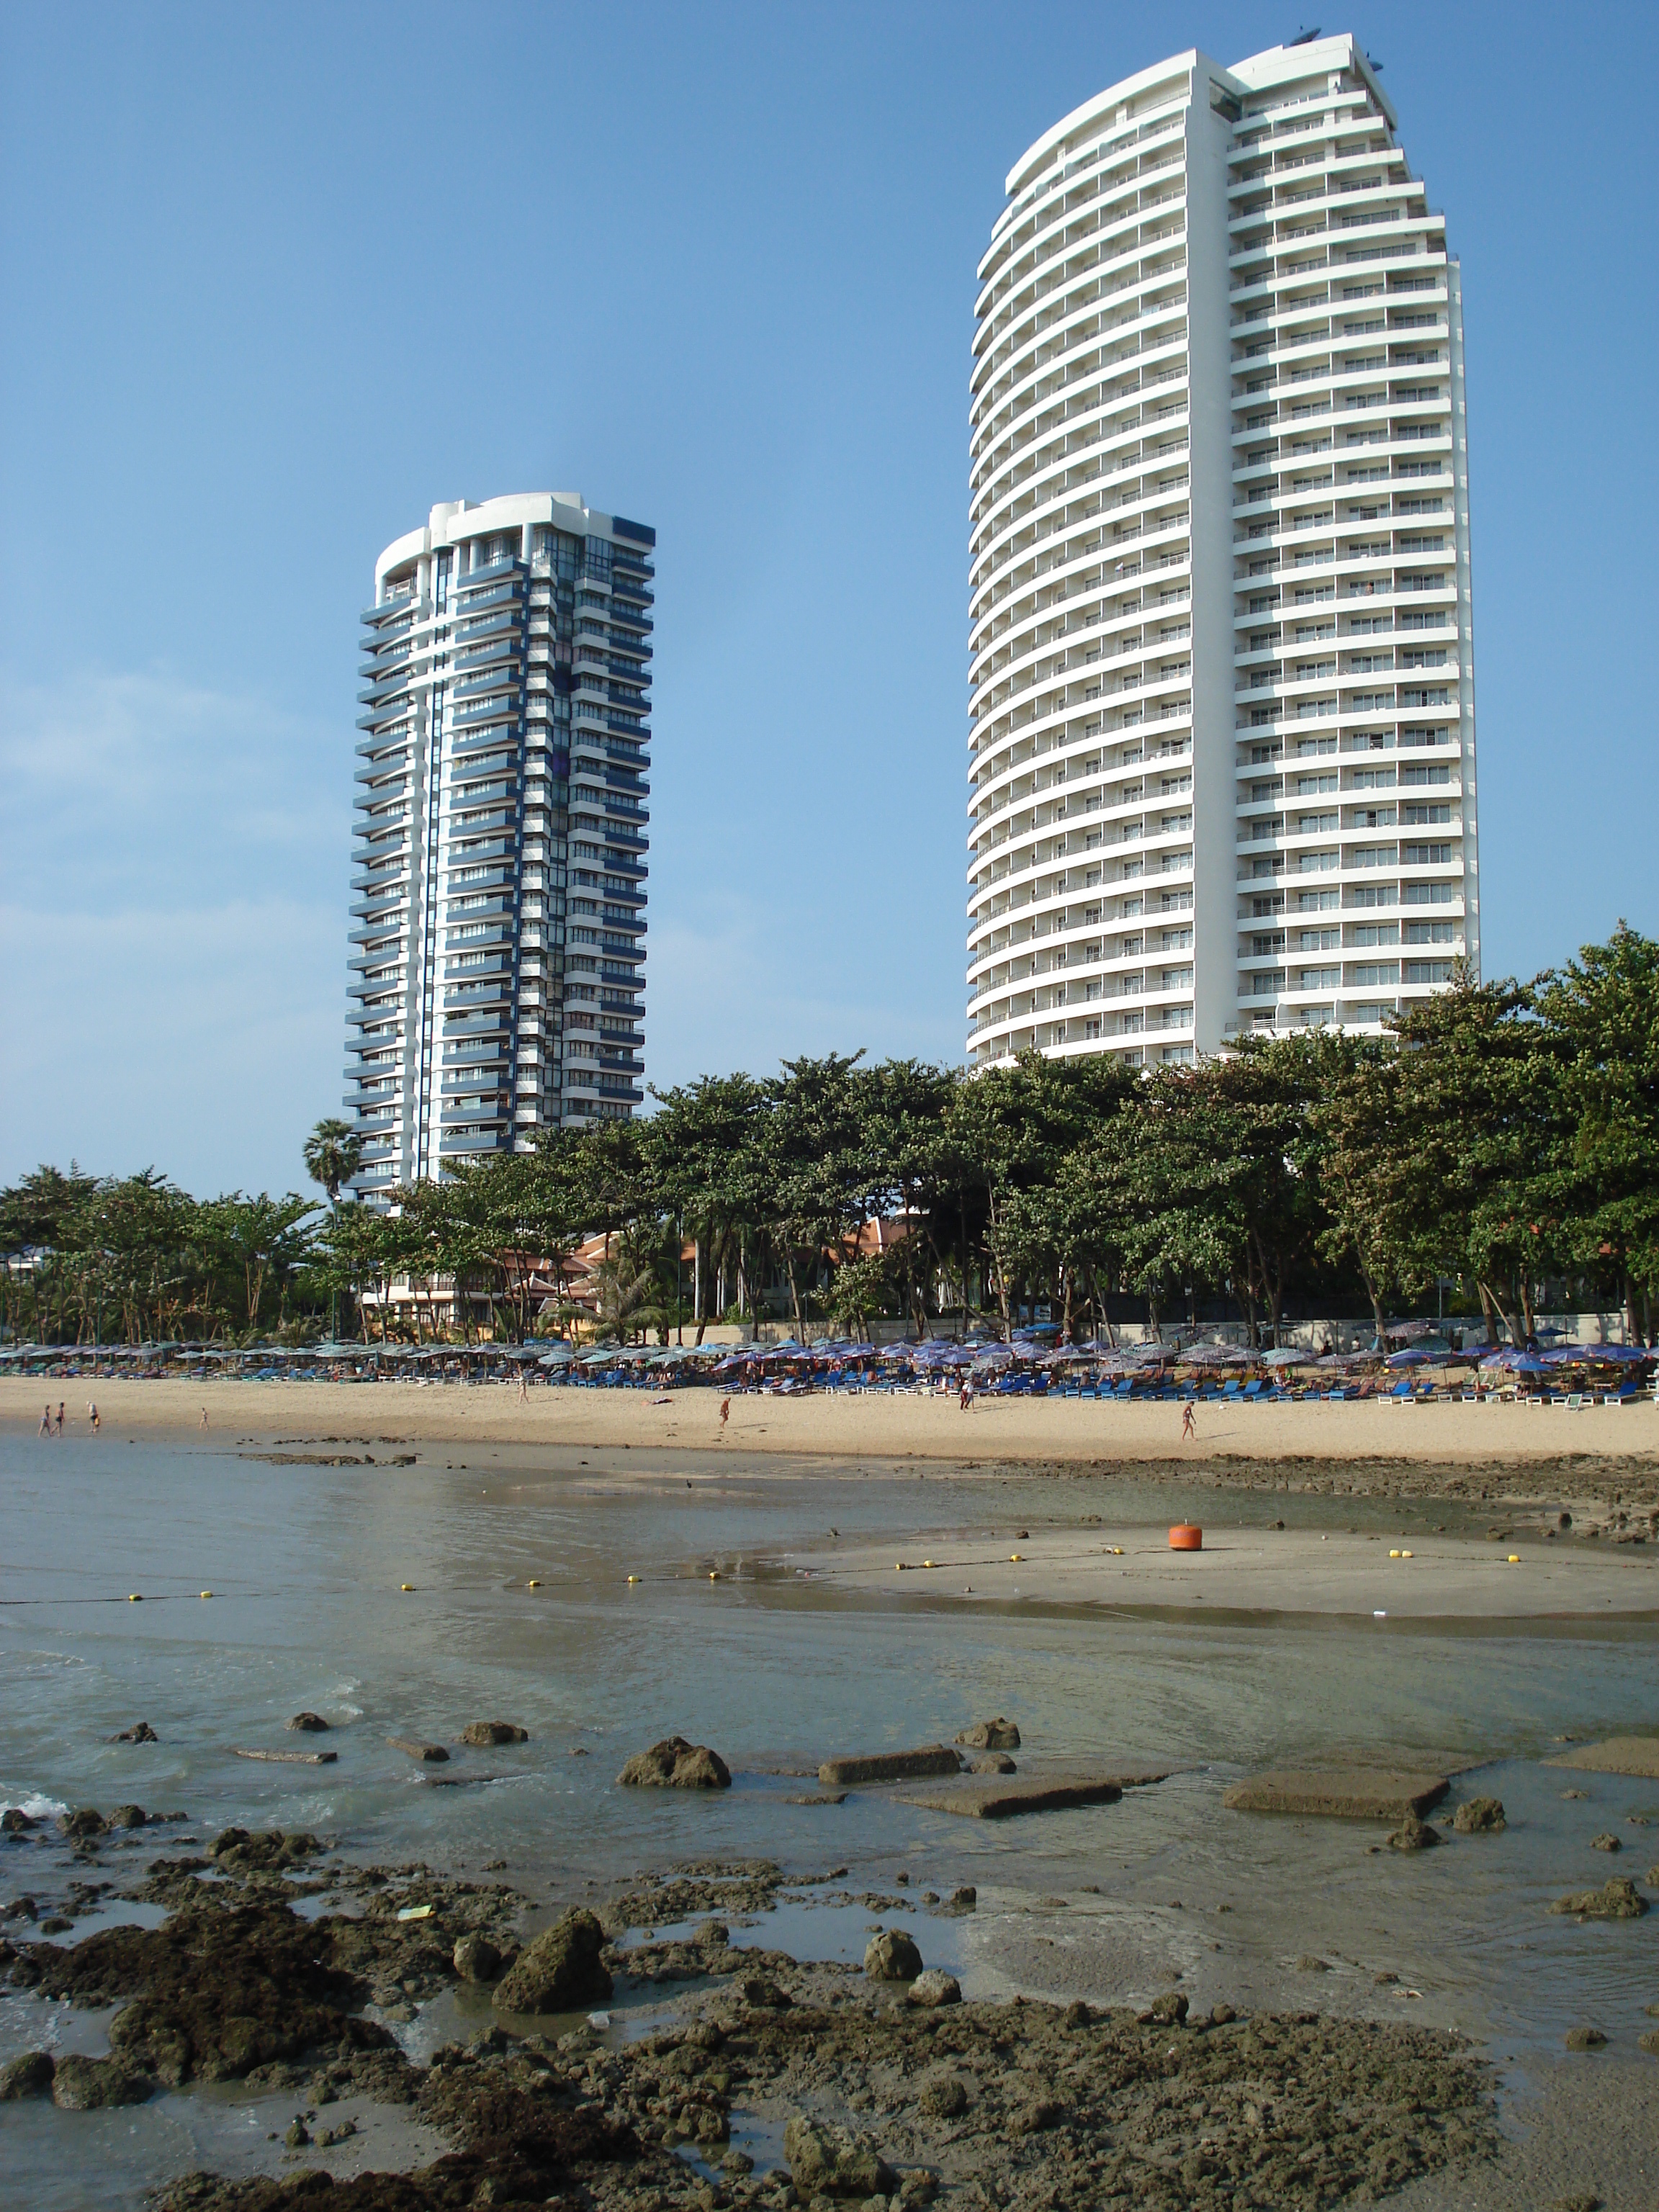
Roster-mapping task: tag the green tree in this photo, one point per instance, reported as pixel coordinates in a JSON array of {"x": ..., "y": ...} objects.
[
  {"x": 1600, "y": 1014},
  {"x": 333, "y": 1154}
]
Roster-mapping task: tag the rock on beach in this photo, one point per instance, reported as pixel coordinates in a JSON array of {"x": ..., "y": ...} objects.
[
  {"x": 1617, "y": 1899},
  {"x": 830, "y": 2162},
  {"x": 1414, "y": 1835},
  {"x": 475, "y": 1959},
  {"x": 29, "y": 2076},
  {"x": 561, "y": 1971},
  {"x": 999, "y": 1735},
  {"x": 674, "y": 1764},
  {"x": 87, "y": 2085},
  {"x": 488, "y": 1734},
  {"x": 1479, "y": 1816},
  {"x": 891, "y": 1956},
  {"x": 934, "y": 1987}
]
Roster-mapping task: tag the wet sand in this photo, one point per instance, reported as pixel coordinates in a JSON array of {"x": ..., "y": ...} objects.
[{"x": 1519, "y": 1576}]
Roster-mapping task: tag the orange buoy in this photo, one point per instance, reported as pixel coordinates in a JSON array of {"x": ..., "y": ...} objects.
[{"x": 1184, "y": 1537}]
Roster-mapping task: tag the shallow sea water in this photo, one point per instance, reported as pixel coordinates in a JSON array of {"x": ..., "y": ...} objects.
[{"x": 778, "y": 1672}]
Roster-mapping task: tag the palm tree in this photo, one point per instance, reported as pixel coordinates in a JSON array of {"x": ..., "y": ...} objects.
[{"x": 333, "y": 1154}]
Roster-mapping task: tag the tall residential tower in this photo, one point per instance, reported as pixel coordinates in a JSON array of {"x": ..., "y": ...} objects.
[
  {"x": 498, "y": 916},
  {"x": 1222, "y": 717}
]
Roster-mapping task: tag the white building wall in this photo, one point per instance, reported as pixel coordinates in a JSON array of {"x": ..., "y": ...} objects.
[
  {"x": 499, "y": 883},
  {"x": 1216, "y": 318}
]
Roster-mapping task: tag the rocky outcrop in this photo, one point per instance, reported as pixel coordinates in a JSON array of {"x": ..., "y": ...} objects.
[
  {"x": 1414, "y": 1835},
  {"x": 1617, "y": 1899},
  {"x": 934, "y": 1987},
  {"x": 224, "y": 1986},
  {"x": 475, "y": 1959},
  {"x": 270, "y": 1851},
  {"x": 128, "y": 1816},
  {"x": 1479, "y": 1816},
  {"x": 674, "y": 1764},
  {"x": 27, "y": 2076},
  {"x": 86, "y": 1821},
  {"x": 309, "y": 1723},
  {"x": 1169, "y": 2010},
  {"x": 990, "y": 1735},
  {"x": 943, "y": 2095},
  {"x": 141, "y": 1732},
  {"x": 561, "y": 1971},
  {"x": 992, "y": 1762},
  {"x": 484, "y": 1734},
  {"x": 1606, "y": 1843},
  {"x": 891, "y": 1956},
  {"x": 86, "y": 2085},
  {"x": 15, "y": 1822},
  {"x": 830, "y": 2162},
  {"x": 430, "y": 1754}
]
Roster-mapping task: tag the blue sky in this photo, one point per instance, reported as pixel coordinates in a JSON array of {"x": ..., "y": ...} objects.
[{"x": 273, "y": 281}]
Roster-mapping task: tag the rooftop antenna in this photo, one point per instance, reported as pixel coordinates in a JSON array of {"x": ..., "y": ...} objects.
[{"x": 1306, "y": 38}]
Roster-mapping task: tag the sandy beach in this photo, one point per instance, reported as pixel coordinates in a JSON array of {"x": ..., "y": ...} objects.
[
  {"x": 1523, "y": 1575},
  {"x": 1374, "y": 1442}
]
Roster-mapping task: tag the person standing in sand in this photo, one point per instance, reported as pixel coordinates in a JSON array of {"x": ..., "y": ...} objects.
[
  {"x": 204, "y": 1417},
  {"x": 60, "y": 1417},
  {"x": 92, "y": 1414},
  {"x": 46, "y": 1420},
  {"x": 967, "y": 1396},
  {"x": 1188, "y": 1425},
  {"x": 524, "y": 1393},
  {"x": 726, "y": 1411}
]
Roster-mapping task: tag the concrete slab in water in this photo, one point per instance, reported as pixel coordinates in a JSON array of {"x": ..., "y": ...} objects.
[
  {"x": 889, "y": 1765},
  {"x": 1617, "y": 1754},
  {"x": 1003, "y": 1797},
  {"x": 1342, "y": 1793}
]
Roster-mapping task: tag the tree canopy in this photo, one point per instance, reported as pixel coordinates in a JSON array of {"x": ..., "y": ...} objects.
[{"x": 1504, "y": 1140}]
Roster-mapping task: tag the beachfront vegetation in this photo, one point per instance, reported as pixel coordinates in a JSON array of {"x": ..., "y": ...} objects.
[{"x": 1503, "y": 1146}]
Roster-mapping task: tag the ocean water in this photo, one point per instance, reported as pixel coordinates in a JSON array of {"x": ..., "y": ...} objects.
[{"x": 778, "y": 1671}]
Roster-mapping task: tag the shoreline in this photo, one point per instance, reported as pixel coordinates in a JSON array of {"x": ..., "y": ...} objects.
[
  {"x": 1506, "y": 1460},
  {"x": 1059, "y": 1433}
]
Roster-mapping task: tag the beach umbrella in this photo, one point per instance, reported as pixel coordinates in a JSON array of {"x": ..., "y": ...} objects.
[
  {"x": 1286, "y": 1355},
  {"x": 1408, "y": 1358},
  {"x": 1597, "y": 1355}
]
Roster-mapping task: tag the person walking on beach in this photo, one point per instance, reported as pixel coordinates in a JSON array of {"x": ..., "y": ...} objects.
[
  {"x": 92, "y": 1414},
  {"x": 60, "y": 1417},
  {"x": 726, "y": 1411},
  {"x": 1188, "y": 1425},
  {"x": 204, "y": 1417},
  {"x": 46, "y": 1420},
  {"x": 967, "y": 1396},
  {"x": 524, "y": 1393}
]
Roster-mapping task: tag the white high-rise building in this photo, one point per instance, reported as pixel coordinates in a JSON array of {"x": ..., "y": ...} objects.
[
  {"x": 498, "y": 869},
  {"x": 1222, "y": 719}
]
